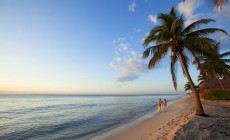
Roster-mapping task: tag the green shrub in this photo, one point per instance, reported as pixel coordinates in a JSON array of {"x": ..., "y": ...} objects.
[{"x": 218, "y": 95}]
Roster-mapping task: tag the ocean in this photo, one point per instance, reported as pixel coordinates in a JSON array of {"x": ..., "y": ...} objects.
[{"x": 80, "y": 117}]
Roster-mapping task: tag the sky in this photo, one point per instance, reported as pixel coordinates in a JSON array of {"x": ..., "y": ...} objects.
[{"x": 91, "y": 46}]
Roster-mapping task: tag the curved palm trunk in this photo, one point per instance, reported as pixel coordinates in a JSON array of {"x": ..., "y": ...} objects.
[
  {"x": 199, "y": 108},
  {"x": 222, "y": 86}
]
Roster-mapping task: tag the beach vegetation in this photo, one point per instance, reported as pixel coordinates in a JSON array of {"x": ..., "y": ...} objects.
[
  {"x": 217, "y": 95},
  {"x": 200, "y": 79},
  {"x": 173, "y": 38},
  {"x": 188, "y": 87},
  {"x": 217, "y": 67}
]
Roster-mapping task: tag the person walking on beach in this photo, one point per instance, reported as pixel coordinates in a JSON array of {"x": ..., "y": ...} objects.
[
  {"x": 159, "y": 105},
  {"x": 164, "y": 104}
]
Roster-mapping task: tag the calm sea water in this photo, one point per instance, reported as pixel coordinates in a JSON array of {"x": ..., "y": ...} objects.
[{"x": 70, "y": 116}]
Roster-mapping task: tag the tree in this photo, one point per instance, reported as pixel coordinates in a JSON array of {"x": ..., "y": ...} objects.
[
  {"x": 187, "y": 87},
  {"x": 216, "y": 67},
  {"x": 218, "y": 3},
  {"x": 200, "y": 80},
  {"x": 172, "y": 37}
]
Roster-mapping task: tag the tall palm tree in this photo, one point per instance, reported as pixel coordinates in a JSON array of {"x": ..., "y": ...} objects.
[
  {"x": 216, "y": 67},
  {"x": 171, "y": 36}
]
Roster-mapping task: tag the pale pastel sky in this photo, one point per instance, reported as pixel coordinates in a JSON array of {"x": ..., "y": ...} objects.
[{"x": 89, "y": 46}]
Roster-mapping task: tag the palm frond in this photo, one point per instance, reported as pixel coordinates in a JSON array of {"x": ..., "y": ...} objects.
[
  {"x": 152, "y": 35},
  {"x": 201, "y": 42},
  {"x": 227, "y": 66},
  {"x": 173, "y": 12},
  {"x": 226, "y": 60},
  {"x": 173, "y": 69},
  {"x": 187, "y": 86},
  {"x": 166, "y": 20},
  {"x": 158, "y": 55},
  {"x": 163, "y": 37},
  {"x": 225, "y": 54},
  {"x": 205, "y": 32},
  {"x": 177, "y": 26},
  {"x": 185, "y": 60},
  {"x": 151, "y": 50},
  {"x": 196, "y": 25}
]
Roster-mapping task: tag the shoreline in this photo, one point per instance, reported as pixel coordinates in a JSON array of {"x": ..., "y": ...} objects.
[
  {"x": 180, "y": 122},
  {"x": 163, "y": 124},
  {"x": 127, "y": 131}
]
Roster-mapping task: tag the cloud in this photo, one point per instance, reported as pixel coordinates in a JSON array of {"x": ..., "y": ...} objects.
[
  {"x": 133, "y": 53},
  {"x": 225, "y": 42},
  {"x": 112, "y": 65},
  {"x": 142, "y": 40},
  {"x": 223, "y": 39},
  {"x": 118, "y": 59},
  {"x": 224, "y": 14},
  {"x": 130, "y": 68},
  {"x": 131, "y": 65},
  {"x": 134, "y": 65},
  {"x": 187, "y": 8},
  {"x": 121, "y": 38},
  {"x": 137, "y": 30},
  {"x": 125, "y": 77},
  {"x": 123, "y": 46},
  {"x": 117, "y": 53},
  {"x": 131, "y": 7},
  {"x": 153, "y": 19}
]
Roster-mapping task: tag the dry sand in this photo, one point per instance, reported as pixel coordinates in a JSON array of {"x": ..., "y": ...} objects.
[
  {"x": 215, "y": 127},
  {"x": 179, "y": 122}
]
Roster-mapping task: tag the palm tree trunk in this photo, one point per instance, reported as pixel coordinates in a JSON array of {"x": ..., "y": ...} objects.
[
  {"x": 222, "y": 86},
  {"x": 199, "y": 108}
]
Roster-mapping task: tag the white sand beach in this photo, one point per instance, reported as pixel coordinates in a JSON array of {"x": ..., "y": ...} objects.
[{"x": 179, "y": 122}]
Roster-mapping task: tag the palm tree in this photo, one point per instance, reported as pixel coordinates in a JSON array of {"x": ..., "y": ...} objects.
[
  {"x": 218, "y": 3},
  {"x": 172, "y": 36},
  {"x": 200, "y": 80},
  {"x": 216, "y": 67},
  {"x": 187, "y": 87}
]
